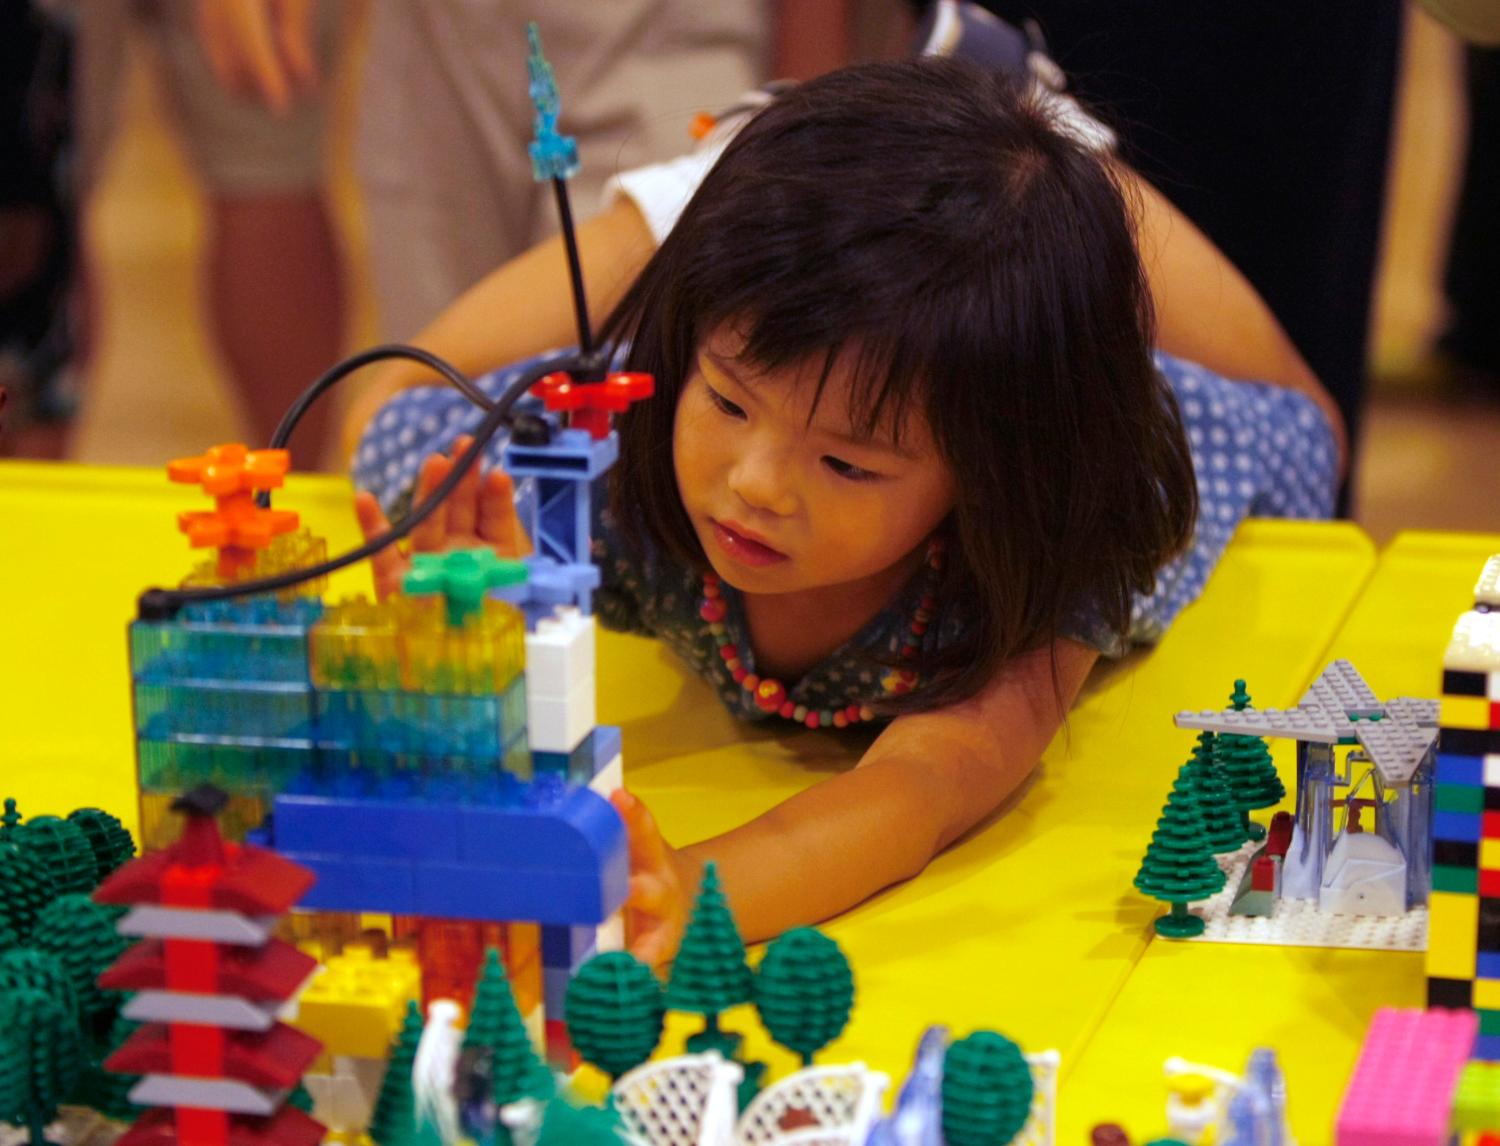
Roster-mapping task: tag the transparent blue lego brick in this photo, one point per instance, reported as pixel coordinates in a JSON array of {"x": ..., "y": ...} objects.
[
  {"x": 172, "y": 767},
  {"x": 258, "y": 712},
  {"x": 256, "y": 640},
  {"x": 426, "y": 724}
]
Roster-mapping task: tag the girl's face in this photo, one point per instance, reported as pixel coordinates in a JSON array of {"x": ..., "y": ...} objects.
[{"x": 785, "y": 497}]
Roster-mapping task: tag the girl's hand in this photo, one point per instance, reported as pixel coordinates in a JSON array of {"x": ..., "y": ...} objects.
[
  {"x": 663, "y": 882},
  {"x": 481, "y": 510}
]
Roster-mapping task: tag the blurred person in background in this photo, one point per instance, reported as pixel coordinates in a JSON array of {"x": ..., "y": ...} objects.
[{"x": 244, "y": 80}]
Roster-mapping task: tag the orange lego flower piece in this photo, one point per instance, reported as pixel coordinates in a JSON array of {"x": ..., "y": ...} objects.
[{"x": 236, "y": 526}]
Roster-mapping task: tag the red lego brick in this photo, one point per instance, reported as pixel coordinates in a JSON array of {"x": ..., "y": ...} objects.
[
  {"x": 287, "y": 1127},
  {"x": 1489, "y": 883},
  {"x": 560, "y": 1052},
  {"x": 273, "y": 1059},
  {"x": 196, "y": 1050},
  {"x": 261, "y": 974},
  {"x": 191, "y": 965},
  {"x": 201, "y": 1127},
  {"x": 1489, "y": 825}
]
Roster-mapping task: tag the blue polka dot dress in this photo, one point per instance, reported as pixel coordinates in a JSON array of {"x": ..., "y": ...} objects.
[{"x": 1257, "y": 450}]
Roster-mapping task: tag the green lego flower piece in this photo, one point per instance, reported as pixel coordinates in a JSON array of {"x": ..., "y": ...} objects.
[
  {"x": 987, "y": 1090},
  {"x": 110, "y": 839},
  {"x": 710, "y": 974},
  {"x": 614, "y": 1009},
  {"x": 463, "y": 577},
  {"x": 804, "y": 991},
  {"x": 495, "y": 1023}
]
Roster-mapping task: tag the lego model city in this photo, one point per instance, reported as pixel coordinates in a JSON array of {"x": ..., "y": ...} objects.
[{"x": 381, "y": 889}]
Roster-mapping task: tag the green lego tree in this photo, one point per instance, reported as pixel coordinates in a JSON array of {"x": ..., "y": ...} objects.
[
  {"x": 107, "y": 836},
  {"x": 495, "y": 1024},
  {"x": 987, "y": 1090},
  {"x": 394, "y": 1121},
  {"x": 25, "y": 885},
  {"x": 1179, "y": 864},
  {"x": 26, "y": 968},
  {"x": 614, "y": 1009},
  {"x": 61, "y": 846},
  {"x": 1221, "y": 819},
  {"x": 1245, "y": 762},
  {"x": 710, "y": 974},
  {"x": 104, "y": 1090},
  {"x": 41, "y": 1042},
  {"x": 566, "y": 1124},
  {"x": 804, "y": 991},
  {"x": 82, "y": 936}
]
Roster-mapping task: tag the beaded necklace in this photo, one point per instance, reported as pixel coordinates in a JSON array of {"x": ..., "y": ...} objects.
[{"x": 771, "y": 695}]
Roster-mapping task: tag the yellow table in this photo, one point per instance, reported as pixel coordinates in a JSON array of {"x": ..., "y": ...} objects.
[{"x": 1029, "y": 926}]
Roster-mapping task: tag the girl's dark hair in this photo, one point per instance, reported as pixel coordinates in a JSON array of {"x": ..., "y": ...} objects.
[{"x": 932, "y": 223}]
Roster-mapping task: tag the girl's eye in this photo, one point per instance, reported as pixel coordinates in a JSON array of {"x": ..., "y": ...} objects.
[
  {"x": 847, "y": 470},
  {"x": 724, "y": 405}
]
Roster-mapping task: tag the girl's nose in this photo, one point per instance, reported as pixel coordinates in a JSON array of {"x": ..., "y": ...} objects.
[{"x": 763, "y": 482}]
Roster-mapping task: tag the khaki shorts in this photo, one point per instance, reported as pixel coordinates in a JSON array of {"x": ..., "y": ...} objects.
[{"x": 236, "y": 146}]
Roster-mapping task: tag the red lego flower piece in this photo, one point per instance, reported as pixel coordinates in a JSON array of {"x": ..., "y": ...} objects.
[{"x": 590, "y": 404}]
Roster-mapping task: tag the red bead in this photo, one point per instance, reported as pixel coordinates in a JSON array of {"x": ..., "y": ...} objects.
[
  {"x": 771, "y": 695},
  {"x": 786, "y": 710},
  {"x": 711, "y": 589},
  {"x": 713, "y": 610},
  {"x": 840, "y": 720},
  {"x": 738, "y": 674},
  {"x": 728, "y": 652},
  {"x": 812, "y": 720},
  {"x": 853, "y": 713},
  {"x": 750, "y": 683},
  {"x": 918, "y": 628}
]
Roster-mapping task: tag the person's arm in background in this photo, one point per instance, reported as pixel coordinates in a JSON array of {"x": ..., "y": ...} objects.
[
  {"x": 1208, "y": 313},
  {"x": 522, "y": 308}
]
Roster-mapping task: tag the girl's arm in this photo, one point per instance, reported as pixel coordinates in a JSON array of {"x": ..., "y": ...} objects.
[
  {"x": 522, "y": 308},
  {"x": 1207, "y": 311},
  {"x": 925, "y": 781}
]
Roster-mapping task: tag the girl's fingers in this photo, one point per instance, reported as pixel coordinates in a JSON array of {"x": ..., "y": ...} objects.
[
  {"x": 432, "y": 535},
  {"x": 463, "y": 502},
  {"x": 648, "y": 851},
  {"x": 388, "y": 566},
  {"x": 499, "y": 524}
]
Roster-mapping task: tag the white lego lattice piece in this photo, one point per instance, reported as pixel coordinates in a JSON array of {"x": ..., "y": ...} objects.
[
  {"x": 1340, "y": 689},
  {"x": 684, "y": 1101},
  {"x": 610, "y": 779},
  {"x": 559, "y": 725},
  {"x": 1413, "y": 710},
  {"x": 1476, "y": 645},
  {"x": 1306, "y": 723},
  {"x": 1299, "y": 923},
  {"x": 1395, "y": 747},
  {"x": 832, "y": 1105},
  {"x": 205, "y": 1094},
  {"x": 1041, "y": 1126},
  {"x": 1487, "y": 589},
  {"x": 184, "y": 923},
  {"x": 560, "y": 652},
  {"x": 228, "y": 1011}
]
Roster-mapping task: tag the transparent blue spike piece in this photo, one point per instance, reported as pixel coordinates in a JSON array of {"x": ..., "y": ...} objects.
[
  {"x": 260, "y": 639},
  {"x": 553, "y": 155}
]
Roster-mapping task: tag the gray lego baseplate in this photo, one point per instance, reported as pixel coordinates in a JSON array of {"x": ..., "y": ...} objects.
[
  {"x": 1340, "y": 689},
  {"x": 1306, "y": 723}
]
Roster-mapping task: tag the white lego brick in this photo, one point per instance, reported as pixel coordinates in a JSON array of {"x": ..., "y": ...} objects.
[
  {"x": 205, "y": 1094},
  {"x": 1487, "y": 590},
  {"x": 182, "y": 923},
  {"x": 560, "y": 652},
  {"x": 560, "y": 725},
  {"x": 610, "y": 935},
  {"x": 1476, "y": 647},
  {"x": 228, "y": 1011},
  {"x": 610, "y": 779},
  {"x": 1299, "y": 923},
  {"x": 1492, "y": 771}
]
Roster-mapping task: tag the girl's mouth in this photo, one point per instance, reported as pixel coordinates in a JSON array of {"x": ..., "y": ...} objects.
[{"x": 743, "y": 547}]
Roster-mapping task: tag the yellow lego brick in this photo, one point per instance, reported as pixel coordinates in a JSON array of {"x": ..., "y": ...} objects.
[
  {"x": 526, "y": 985},
  {"x": 523, "y": 943},
  {"x": 1464, "y": 712},
  {"x": 356, "y": 1005},
  {"x": 1452, "y": 935},
  {"x": 1489, "y": 855},
  {"x": 1487, "y": 994}
]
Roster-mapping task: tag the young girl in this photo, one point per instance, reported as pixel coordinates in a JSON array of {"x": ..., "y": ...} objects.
[{"x": 909, "y": 464}]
